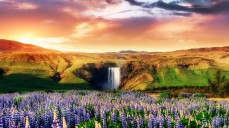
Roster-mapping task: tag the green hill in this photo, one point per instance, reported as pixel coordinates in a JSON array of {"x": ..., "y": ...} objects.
[{"x": 24, "y": 70}]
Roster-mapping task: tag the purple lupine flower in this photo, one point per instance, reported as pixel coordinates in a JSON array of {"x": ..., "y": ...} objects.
[
  {"x": 86, "y": 116},
  {"x": 114, "y": 117},
  {"x": 179, "y": 124},
  {"x": 123, "y": 120},
  {"x": 1, "y": 121},
  {"x": 217, "y": 122},
  {"x": 140, "y": 122},
  {"x": 77, "y": 120},
  {"x": 161, "y": 121},
  {"x": 152, "y": 122},
  {"x": 134, "y": 124},
  {"x": 97, "y": 114},
  {"x": 177, "y": 116},
  {"x": 169, "y": 122},
  {"x": 38, "y": 106},
  {"x": 104, "y": 119}
]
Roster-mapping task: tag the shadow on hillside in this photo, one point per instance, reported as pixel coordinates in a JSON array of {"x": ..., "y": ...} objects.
[
  {"x": 2, "y": 72},
  {"x": 96, "y": 74},
  {"x": 27, "y": 82}
]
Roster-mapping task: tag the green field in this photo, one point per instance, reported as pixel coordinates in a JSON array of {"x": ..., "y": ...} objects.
[
  {"x": 19, "y": 80},
  {"x": 167, "y": 77},
  {"x": 22, "y": 74},
  {"x": 30, "y": 79}
]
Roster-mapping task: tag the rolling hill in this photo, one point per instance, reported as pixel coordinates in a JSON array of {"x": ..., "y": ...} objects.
[
  {"x": 27, "y": 67},
  {"x": 14, "y": 46}
]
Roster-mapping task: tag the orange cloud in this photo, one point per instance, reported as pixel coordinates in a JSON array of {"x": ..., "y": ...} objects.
[{"x": 109, "y": 25}]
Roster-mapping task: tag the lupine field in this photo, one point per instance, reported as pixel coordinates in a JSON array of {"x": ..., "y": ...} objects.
[{"x": 90, "y": 109}]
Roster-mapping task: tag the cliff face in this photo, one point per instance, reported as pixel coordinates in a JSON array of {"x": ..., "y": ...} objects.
[{"x": 140, "y": 71}]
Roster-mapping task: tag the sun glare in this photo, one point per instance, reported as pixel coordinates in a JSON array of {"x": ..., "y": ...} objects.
[{"x": 28, "y": 38}]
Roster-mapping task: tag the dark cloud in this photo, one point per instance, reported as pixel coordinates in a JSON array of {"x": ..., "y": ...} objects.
[
  {"x": 221, "y": 7},
  {"x": 200, "y": 2},
  {"x": 167, "y": 6},
  {"x": 134, "y": 2},
  {"x": 136, "y": 24},
  {"x": 113, "y": 1},
  {"x": 187, "y": 14},
  {"x": 198, "y": 6}
]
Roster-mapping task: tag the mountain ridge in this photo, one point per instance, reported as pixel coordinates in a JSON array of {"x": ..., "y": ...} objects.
[{"x": 16, "y": 46}]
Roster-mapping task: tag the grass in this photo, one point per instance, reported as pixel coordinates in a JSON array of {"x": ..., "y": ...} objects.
[
  {"x": 30, "y": 76},
  {"x": 20, "y": 79},
  {"x": 28, "y": 82},
  {"x": 34, "y": 76},
  {"x": 182, "y": 77}
]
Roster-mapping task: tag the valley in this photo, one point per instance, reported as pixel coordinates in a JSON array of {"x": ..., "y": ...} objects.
[{"x": 44, "y": 69}]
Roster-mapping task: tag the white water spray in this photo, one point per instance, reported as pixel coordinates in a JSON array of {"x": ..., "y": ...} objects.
[{"x": 114, "y": 77}]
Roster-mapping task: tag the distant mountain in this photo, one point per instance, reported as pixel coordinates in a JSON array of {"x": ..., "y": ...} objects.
[
  {"x": 222, "y": 49},
  {"x": 129, "y": 52},
  {"x": 14, "y": 46}
]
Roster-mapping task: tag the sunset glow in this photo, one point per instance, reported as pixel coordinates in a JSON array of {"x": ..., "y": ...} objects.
[{"x": 114, "y": 25}]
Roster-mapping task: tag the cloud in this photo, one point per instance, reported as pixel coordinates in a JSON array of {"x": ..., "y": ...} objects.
[
  {"x": 115, "y": 24},
  {"x": 88, "y": 29},
  {"x": 197, "y": 6},
  {"x": 26, "y": 6},
  {"x": 99, "y": 4},
  {"x": 46, "y": 18},
  {"x": 106, "y": 32},
  {"x": 113, "y": 1},
  {"x": 187, "y": 14},
  {"x": 200, "y": 2}
]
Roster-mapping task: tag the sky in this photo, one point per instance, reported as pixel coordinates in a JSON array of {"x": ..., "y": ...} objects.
[{"x": 114, "y": 25}]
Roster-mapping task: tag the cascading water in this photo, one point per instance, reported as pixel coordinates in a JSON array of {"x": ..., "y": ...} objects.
[{"x": 114, "y": 77}]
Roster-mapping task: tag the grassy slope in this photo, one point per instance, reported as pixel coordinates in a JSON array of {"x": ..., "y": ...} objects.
[
  {"x": 23, "y": 76},
  {"x": 41, "y": 82},
  {"x": 33, "y": 76},
  {"x": 182, "y": 77}
]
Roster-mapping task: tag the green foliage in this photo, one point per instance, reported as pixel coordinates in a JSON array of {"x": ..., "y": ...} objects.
[
  {"x": 39, "y": 82},
  {"x": 219, "y": 85},
  {"x": 183, "y": 95},
  {"x": 199, "y": 95},
  {"x": 165, "y": 95},
  {"x": 224, "y": 89},
  {"x": 17, "y": 100},
  {"x": 167, "y": 77},
  {"x": 216, "y": 82}
]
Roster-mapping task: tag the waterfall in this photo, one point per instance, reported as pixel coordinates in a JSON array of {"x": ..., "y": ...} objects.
[{"x": 114, "y": 77}]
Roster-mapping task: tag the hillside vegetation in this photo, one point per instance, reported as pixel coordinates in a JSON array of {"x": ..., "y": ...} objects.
[{"x": 50, "y": 70}]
